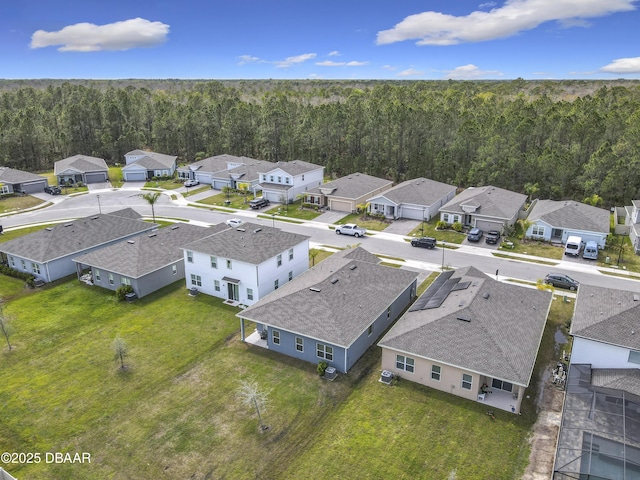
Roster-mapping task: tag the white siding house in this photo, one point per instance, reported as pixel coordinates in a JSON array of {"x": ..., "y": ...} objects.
[{"x": 284, "y": 181}]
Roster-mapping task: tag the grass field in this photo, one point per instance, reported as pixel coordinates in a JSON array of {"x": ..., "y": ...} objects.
[
  {"x": 369, "y": 223},
  {"x": 17, "y": 203},
  {"x": 174, "y": 411},
  {"x": 429, "y": 230}
]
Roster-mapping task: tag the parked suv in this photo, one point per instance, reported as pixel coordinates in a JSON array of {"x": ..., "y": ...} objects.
[
  {"x": 351, "y": 229},
  {"x": 493, "y": 237},
  {"x": 424, "y": 242},
  {"x": 52, "y": 190},
  {"x": 191, "y": 183},
  {"x": 561, "y": 280},
  {"x": 475, "y": 234},
  {"x": 259, "y": 202}
]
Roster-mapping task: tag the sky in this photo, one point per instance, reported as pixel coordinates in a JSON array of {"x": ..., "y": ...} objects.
[{"x": 330, "y": 39}]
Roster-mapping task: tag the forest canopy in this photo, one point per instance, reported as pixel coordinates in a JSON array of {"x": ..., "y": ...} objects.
[{"x": 559, "y": 139}]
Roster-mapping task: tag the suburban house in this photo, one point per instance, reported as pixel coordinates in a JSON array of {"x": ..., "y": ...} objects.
[
  {"x": 600, "y": 430},
  {"x": 208, "y": 169},
  {"x": 17, "y": 181},
  {"x": 142, "y": 166},
  {"x": 346, "y": 193},
  {"x": 471, "y": 336},
  {"x": 243, "y": 264},
  {"x": 48, "y": 253},
  {"x": 486, "y": 208},
  {"x": 555, "y": 221},
  {"x": 81, "y": 169},
  {"x": 283, "y": 181},
  {"x": 145, "y": 262},
  {"x": 416, "y": 199},
  {"x": 632, "y": 224},
  {"x": 334, "y": 311}
]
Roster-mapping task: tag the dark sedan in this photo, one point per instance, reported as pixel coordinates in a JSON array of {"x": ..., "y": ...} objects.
[{"x": 424, "y": 242}]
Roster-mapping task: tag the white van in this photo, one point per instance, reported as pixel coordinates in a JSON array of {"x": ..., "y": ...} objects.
[
  {"x": 573, "y": 246},
  {"x": 590, "y": 250}
]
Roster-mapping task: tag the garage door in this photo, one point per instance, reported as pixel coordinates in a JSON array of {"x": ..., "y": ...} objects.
[
  {"x": 486, "y": 225},
  {"x": 206, "y": 179},
  {"x": 135, "y": 176},
  {"x": 272, "y": 196},
  {"x": 412, "y": 213},
  {"x": 96, "y": 177},
  {"x": 340, "y": 206},
  {"x": 218, "y": 184},
  {"x": 36, "y": 187}
]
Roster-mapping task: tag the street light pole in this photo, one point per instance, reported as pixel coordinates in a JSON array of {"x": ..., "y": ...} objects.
[
  {"x": 99, "y": 207},
  {"x": 273, "y": 218},
  {"x": 443, "y": 255},
  {"x": 422, "y": 234}
]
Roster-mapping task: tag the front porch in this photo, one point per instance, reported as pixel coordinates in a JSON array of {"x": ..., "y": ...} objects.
[
  {"x": 500, "y": 399},
  {"x": 256, "y": 338}
]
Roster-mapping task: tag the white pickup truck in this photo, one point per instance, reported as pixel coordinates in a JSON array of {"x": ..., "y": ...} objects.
[{"x": 351, "y": 229}]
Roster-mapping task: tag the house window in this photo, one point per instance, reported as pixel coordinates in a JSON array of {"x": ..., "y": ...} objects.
[
  {"x": 111, "y": 279},
  {"x": 276, "y": 284},
  {"x": 264, "y": 178},
  {"x": 174, "y": 269},
  {"x": 189, "y": 256},
  {"x": 500, "y": 385},
  {"x": 97, "y": 274},
  {"x": 13, "y": 261},
  {"x": 5, "y": 189},
  {"x": 229, "y": 264},
  {"x": 249, "y": 293},
  {"x": 370, "y": 330},
  {"x": 36, "y": 268},
  {"x": 537, "y": 230},
  {"x": 24, "y": 264},
  {"x": 214, "y": 261},
  {"x": 196, "y": 280},
  {"x": 467, "y": 381},
  {"x": 299, "y": 344},
  {"x": 291, "y": 254},
  {"x": 456, "y": 218},
  {"x": 216, "y": 285},
  {"x": 290, "y": 276},
  {"x": 286, "y": 179},
  {"x": 634, "y": 357},
  {"x": 436, "y": 371},
  {"x": 389, "y": 312},
  {"x": 125, "y": 281},
  {"x": 271, "y": 178},
  {"x": 324, "y": 351},
  {"x": 275, "y": 337},
  {"x": 303, "y": 178},
  {"x": 445, "y": 217},
  {"x": 405, "y": 363},
  {"x": 279, "y": 260},
  {"x": 279, "y": 179}
]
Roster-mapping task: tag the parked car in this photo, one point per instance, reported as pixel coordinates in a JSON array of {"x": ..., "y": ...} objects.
[
  {"x": 424, "y": 242},
  {"x": 351, "y": 229},
  {"x": 191, "y": 183},
  {"x": 234, "y": 222},
  {"x": 53, "y": 190},
  {"x": 259, "y": 202},
  {"x": 493, "y": 237},
  {"x": 560, "y": 280},
  {"x": 474, "y": 235}
]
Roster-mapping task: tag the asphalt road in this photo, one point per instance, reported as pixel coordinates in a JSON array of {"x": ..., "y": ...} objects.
[{"x": 391, "y": 245}]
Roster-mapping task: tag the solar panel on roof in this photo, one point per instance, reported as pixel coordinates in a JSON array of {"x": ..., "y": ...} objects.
[
  {"x": 431, "y": 291},
  {"x": 442, "y": 293},
  {"x": 461, "y": 286}
]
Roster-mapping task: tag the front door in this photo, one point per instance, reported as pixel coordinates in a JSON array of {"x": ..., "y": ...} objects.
[{"x": 232, "y": 290}]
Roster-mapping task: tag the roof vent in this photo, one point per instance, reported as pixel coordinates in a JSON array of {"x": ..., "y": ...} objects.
[
  {"x": 153, "y": 235},
  {"x": 48, "y": 229},
  {"x": 131, "y": 241},
  {"x": 257, "y": 230},
  {"x": 636, "y": 297},
  {"x": 353, "y": 267},
  {"x": 334, "y": 281},
  {"x": 175, "y": 227},
  {"x": 68, "y": 224},
  {"x": 314, "y": 289},
  {"x": 464, "y": 318},
  {"x": 93, "y": 218},
  {"x": 241, "y": 229},
  {"x": 485, "y": 295}
]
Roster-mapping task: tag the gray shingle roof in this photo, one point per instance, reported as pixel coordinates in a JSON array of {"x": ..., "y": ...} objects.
[
  {"x": 607, "y": 315},
  {"x": 336, "y": 312},
  {"x": 76, "y": 236},
  {"x": 294, "y": 167},
  {"x": 627, "y": 379},
  {"x": 144, "y": 254},
  {"x": 11, "y": 175},
  {"x": 571, "y": 214},
  {"x": 153, "y": 160},
  {"x": 418, "y": 191},
  {"x": 214, "y": 164},
  {"x": 250, "y": 171},
  {"x": 352, "y": 186},
  {"x": 491, "y": 202},
  {"x": 249, "y": 243},
  {"x": 81, "y": 163},
  {"x": 501, "y": 340}
]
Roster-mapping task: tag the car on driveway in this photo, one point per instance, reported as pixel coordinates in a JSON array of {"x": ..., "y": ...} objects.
[
  {"x": 424, "y": 242},
  {"x": 258, "y": 203},
  {"x": 474, "y": 235},
  {"x": 53, "y": 190},
  {"x": 493, "y": 237},
  {"x": 560, "y": 280},
  {"x": 351, "y": 229},
  {"x": 191, "y": 183},
  {"x": 234, "y": 222}
]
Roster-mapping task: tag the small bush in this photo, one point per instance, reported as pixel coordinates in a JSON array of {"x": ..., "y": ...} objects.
[
  {"x": 27, "y": 277},
  {"x": 322, "y": 366},
  {"x": 442, "y": 225},
  {"x": 457, "y": 226},
  {"x": 122, "y": 291}
]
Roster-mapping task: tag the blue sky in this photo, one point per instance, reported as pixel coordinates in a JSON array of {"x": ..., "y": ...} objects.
[{"x": 332, "y": 39}]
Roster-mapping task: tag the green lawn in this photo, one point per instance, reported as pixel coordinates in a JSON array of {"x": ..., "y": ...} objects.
[
  {"x": 20, "y": 202},
  {"x": 293, "y": 210},
  {"x": 428, "y": 229},
  {"x": 9, "y": 235},
  {"x": 115, "y": 177},
  {"x": 174, "y": 412},
  {"x": 165, "y": 184},
  {"x": 236, "y": 200},
  {"x": 365, "y": 222}
]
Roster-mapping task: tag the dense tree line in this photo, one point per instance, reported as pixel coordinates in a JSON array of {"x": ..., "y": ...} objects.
[{"x": 558, "y": 139}]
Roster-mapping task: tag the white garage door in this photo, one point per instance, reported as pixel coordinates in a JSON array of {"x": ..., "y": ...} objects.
[
  {"x": 135, "y": 176},
  {"x": 486, "y": 225},
  {"x": 340, "y": 206},
  {"x": 96, "y": 177}
]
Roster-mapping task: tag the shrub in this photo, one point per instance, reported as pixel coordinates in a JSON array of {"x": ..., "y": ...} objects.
[
  {"x": 27, "y": 277},
  {"x": 322, "y": 366},
  {"x": 442, "y": 225},
  {"x": 122, "y": 291},
  {"x": 457, "y": 226}
]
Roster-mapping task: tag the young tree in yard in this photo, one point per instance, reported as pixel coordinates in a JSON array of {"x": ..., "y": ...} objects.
[
  {"x": 4, "y": 328},
  {"x": 313, "y": 253},
  {"x": 251, "y": 395},
  {"x": 524, "y": 224},
  {"x": 151, "y": 199},
  {"x": 120, "y": 352}
]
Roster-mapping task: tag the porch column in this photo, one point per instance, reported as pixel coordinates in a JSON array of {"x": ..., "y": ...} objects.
[{"x": 242, "y": 329}]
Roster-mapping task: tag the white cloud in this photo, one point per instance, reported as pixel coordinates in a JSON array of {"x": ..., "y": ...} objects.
[
  {"x": 434, "y": 28},
  {"x": 244, "y": 59},
  {"x": 287, "y": 62},
  {"x": 330, "y": 63},
  {"x": 335, "y": 53},
  {"x": 623, "y": 65},
  {"x": 469, "y": 72},
  {"x": 389, "y": 67},
  {"x": 409, "y": 72},
  {"x": 88, "y": 37}
]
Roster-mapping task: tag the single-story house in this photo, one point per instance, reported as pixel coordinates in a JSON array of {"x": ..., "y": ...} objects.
[
  {"x": 469, "y": 334},
  {"x": 142, "y": 166},
  {"x": 17, "y": 181},
  {"x": 243, "y": 264},
  {"x": 334, "y": 311},
  {"x": 486, "y": 208},
  {"x": 283, "y": 181},
  {"x": 557, "y": 220},
  {"x": 81, "y": 169},
  {"x": 417, "y": 199},
  {"x": 346, "y": 193},
  {"x": 145, "y": 262},
  {"x": 600, "y": 430},
  {"x": 48, "y": 253}
]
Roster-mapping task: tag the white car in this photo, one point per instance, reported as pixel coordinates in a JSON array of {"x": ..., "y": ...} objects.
[
  {"x": 234, "y": 222},
  {"x": 191, "y": 183},
  {"x": 351, "y": 229}
]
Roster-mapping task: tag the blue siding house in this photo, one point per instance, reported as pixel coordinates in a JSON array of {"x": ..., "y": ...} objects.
[{"x": 334, "y": 311}]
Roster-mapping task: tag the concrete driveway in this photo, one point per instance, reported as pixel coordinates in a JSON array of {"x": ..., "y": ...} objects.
[{"x": 402, "y": 226}]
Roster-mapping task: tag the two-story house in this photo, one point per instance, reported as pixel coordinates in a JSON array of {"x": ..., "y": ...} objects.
[
  {"x": 142, "y": 165},
  {"x": 243, "y": 264},
  {"x": 632, "y": 224},
  {"x": 283, "y": 181}
]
